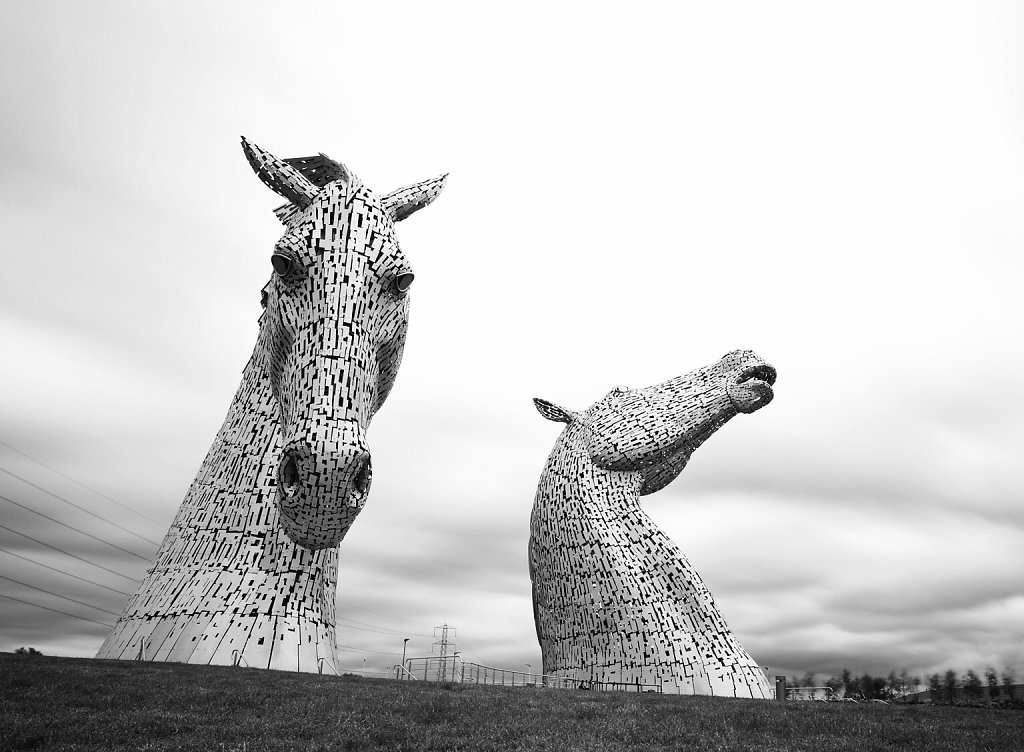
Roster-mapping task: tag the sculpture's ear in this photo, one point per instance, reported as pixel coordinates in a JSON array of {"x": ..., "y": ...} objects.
[
  {"x": 403, "y": 202},
  {"x": 554, "y": 412},
  {"x": 282, "y": 178}
]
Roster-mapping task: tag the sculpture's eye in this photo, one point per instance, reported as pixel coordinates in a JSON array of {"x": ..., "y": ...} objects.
[
  {"x": 282, "y": 264},
  {"x": 620, "y": 389},
  {"x": 403, "y": 281}
]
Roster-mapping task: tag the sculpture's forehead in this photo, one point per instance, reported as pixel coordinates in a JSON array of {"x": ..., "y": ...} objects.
[
  {"x": 339, "y": 204},
  {"x": 680, "y": 388},
  {"x": 625, "y": 412},
  {"x": 623, "y": 402},
  {"x": 343, "y": 219}
]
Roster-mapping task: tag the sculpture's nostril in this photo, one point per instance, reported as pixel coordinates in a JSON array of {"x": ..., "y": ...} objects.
[
  {"x": 289, "y": 476},
  {"x": 362, "y": 479}
]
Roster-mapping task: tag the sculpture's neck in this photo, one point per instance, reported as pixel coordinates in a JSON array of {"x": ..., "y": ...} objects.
[
  {"x": 226, "y": 573},
  {"x": 234, "y": 492},
  {"x": 570, "y": 467},
  {"x": 244, "y": 455}
]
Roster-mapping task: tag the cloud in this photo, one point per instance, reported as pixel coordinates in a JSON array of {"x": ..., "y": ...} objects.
[{"x": 611, "y": 218}]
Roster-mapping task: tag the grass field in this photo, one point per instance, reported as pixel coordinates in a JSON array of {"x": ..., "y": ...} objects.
[{"x": 81, "y": 704}]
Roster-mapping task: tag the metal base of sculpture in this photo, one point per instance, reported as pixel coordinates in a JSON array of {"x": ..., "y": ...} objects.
[
  {"x": 248, "y": 570},
  {"x": 615, "y": 601}
]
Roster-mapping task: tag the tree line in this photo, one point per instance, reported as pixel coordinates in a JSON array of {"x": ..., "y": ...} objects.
[{"x": 947, "y": 687}]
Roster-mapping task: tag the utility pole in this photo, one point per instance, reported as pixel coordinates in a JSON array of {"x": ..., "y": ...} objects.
[
  {"x": 405, "y": 644},
  {"x": 441, "y": 648}
]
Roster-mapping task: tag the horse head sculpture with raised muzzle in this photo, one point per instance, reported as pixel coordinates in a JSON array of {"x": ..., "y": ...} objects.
[
  {"x": 247, "y": 572},
  {"x": 615, "y": 601}
]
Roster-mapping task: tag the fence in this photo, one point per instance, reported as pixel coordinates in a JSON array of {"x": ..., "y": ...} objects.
[
  {"x": 809, "y": 693},
  {"x": 454, "y": 669}
]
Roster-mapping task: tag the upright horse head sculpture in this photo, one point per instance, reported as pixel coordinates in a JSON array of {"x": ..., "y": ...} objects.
[
  {"x": 248, "y": 570},
  {"x": 332, "y": 333},
  {"x": 614, "y": 598}
]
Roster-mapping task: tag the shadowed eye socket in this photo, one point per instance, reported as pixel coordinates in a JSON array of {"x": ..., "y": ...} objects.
[
  {"x": 403, "y": 281},
  {"x": 282, "y": 264},
  {"x": 263, "y": 298}
]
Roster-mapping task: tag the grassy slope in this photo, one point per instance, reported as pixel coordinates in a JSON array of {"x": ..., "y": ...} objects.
[{"x": 81, "y": 704}]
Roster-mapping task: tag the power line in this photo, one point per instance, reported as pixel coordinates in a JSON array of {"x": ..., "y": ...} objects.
[
  {"x": 376, "y": 613},
  {"x": 367, "y": 627},
  {"x": 378, "y": 626},
  {"x": 46, "y": 608},
  {"x": 79, "y": 483},
  {"x": 377, "y": 631},
  {"x": 350, "y": 649},
  {"x": 339, "y": 625},
  {"x": 67, "y": 553},
  {"x": 79, "y": 508},
  {"x": 57, "y": 595},
  {"x": 55, "y": 569},
  {"x": 69, "y": 527},
  {"x": 469, "y": 651}
]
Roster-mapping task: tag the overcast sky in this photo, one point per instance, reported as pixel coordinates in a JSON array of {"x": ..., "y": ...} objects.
[{"x": 633, "y": 193}]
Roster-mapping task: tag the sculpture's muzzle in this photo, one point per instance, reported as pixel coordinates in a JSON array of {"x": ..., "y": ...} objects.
[
  {"x": 321, "y": 488},
  {"x": 750, "y": 388}
]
